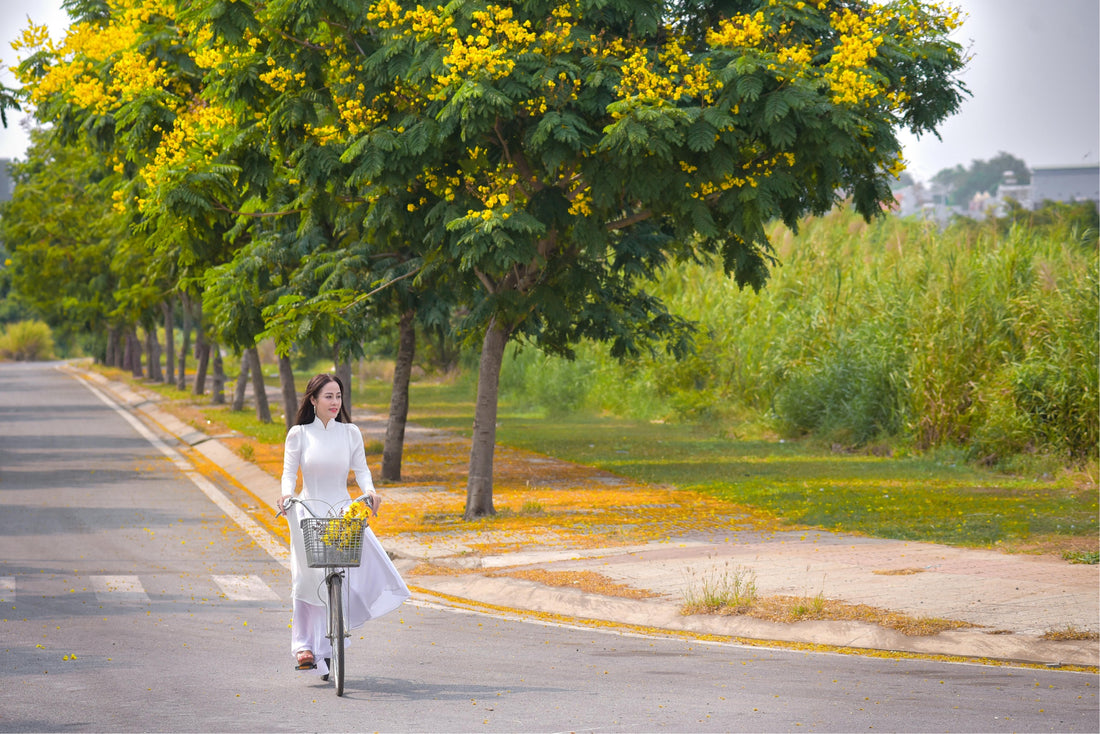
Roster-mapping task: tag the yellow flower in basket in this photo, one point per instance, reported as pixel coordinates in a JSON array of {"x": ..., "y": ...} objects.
[{"x": 347, "y": 531}]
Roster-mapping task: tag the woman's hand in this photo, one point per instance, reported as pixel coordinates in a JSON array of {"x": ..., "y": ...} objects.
[
  {"x": 372, "y": 500},
  {"x": 284, "y": 503}
]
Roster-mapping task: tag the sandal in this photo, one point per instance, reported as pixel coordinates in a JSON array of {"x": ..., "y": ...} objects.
[{"x": 305, "y": 660}]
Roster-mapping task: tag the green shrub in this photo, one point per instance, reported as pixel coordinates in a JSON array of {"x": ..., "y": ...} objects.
[
  {"x": 983, "y": 336},
  {"x": 851, "y": 393},
  {"x": 27, "y": 341},
  {"x": 552, "y": 385}
]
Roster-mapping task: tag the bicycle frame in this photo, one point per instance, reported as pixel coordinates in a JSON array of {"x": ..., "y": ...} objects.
[{"x": 335, "y": 603}]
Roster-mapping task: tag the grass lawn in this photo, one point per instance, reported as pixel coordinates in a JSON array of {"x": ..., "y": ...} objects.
[{"x": 928, "y": 498}]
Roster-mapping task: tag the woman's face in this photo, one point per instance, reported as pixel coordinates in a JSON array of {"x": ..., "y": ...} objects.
[{"x": 327, "y": 402}]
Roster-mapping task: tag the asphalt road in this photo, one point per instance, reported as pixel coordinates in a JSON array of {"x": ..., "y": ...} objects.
[{"x": 129, "y": 601}]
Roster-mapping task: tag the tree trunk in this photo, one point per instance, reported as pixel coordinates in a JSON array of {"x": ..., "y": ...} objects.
[
  {"x": 263, "y": 413},
  {"x": 343, "y": 372},
  {"x": 217, "y": 390},
  {"x": 134, "y": 347},
  {"x": 185, "y": 305},
  {"x": 202, "y": 361},
  {"x": 169, "y": 342},
  {"x": 399, "y": 399},
  {"x": 479, "y": 485},
  {"x": 152, "y": 348},
  {"x": 242, "y": 383},
  {"x": 290, "y": 392},
  {"x": 202, "y": 352},
  {"x": 110, "y": 359},
  {"x": 127, "y": 353}
]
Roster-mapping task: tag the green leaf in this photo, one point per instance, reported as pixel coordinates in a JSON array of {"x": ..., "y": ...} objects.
[
  {"x": 776, "y": 106},
  {"x": 702, "y": 136}
]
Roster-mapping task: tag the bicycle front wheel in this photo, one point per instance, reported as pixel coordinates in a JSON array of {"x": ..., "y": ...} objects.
[{"x": 336, "y": 630}]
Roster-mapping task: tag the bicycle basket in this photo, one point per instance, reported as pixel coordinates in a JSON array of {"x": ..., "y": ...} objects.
[{"x": 333, "y": 541}]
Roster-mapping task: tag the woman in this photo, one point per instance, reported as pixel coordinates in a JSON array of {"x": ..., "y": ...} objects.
[{"x": 326, "y": 445}]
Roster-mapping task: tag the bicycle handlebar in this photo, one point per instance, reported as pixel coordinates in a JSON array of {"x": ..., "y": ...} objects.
[
  {"x": 288, "y": 503},
  {"x": 294, "y": 500}
]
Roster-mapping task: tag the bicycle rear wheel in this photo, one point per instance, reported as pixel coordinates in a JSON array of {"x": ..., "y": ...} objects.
[{"x": 336, "y": 630}]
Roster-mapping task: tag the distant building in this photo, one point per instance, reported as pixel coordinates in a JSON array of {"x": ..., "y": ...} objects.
[
  {"x": 1080, "y": 183},
  {"x": 908, "y": 200},
  {"x": 1009, "y": 190},
  {"x": 1065, "y": 184},
  {"x": 924, "y": 201}
]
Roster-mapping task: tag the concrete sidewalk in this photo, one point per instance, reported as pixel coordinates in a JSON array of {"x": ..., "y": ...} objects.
[{"x": 1011, "y": 599}]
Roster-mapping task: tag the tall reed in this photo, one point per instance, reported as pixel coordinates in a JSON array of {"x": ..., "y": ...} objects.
[{"x": 976, "y": 336}]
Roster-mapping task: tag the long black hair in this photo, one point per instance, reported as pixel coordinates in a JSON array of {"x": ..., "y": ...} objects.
[{"x": 306, "y": 411}]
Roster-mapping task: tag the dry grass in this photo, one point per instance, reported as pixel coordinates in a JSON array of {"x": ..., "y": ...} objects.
[
  {"x": 587, "y": 581},
  {"x": 799, "y": 609},
  {"x": 788, "y": 609},
  {"x": 732, "y": 591},
  {"x": 426, "y": 568},
  {"x": 1052, "y": 545},
  {"x": 779, "y": 608},
  {"x": 1070, "y": 632}
]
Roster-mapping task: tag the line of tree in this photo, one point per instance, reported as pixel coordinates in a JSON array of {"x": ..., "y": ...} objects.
[
  {"x": 962, "y": 183},
  {"x": 318, "y": 171}
]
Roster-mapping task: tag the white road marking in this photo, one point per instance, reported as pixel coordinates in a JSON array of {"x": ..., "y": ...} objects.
[
  {"x": 7, "y": 589},
  {"x": 119, "y": 588},
  {"x": 245, "y": 588}
]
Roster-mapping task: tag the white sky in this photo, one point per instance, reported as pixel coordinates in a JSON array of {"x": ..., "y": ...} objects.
[{"x": 1034, "y": 77}]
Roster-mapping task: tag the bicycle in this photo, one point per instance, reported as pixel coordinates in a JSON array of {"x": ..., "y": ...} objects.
[{"x": 335, "y": 543}]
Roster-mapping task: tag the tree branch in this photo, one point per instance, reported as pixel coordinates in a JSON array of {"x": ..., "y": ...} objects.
[
  {"x": 485, "y": 280},
  {"x": 519, "y": 162},
  {"x": 384, "y": 286},
  {"x": 625, "y": 222},
  {"x": 222, "y": 207}
]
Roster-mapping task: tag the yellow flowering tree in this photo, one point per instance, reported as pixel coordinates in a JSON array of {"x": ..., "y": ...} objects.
[
  {"x": 127, "y": 82},
  {"x": 109, "y": 89},
  {"x": 563, "y": 151},
  {"x": 544, "y": 159}
]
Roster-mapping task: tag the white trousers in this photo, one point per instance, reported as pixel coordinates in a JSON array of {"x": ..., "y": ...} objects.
[{"x": 308, "y": 629}]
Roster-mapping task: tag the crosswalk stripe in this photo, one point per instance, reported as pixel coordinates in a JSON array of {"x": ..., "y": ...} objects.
[
  {"x": 7, "y": 589},
  {"x": 245, "y": 588},
  {"x": 119, "y": 588}
]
